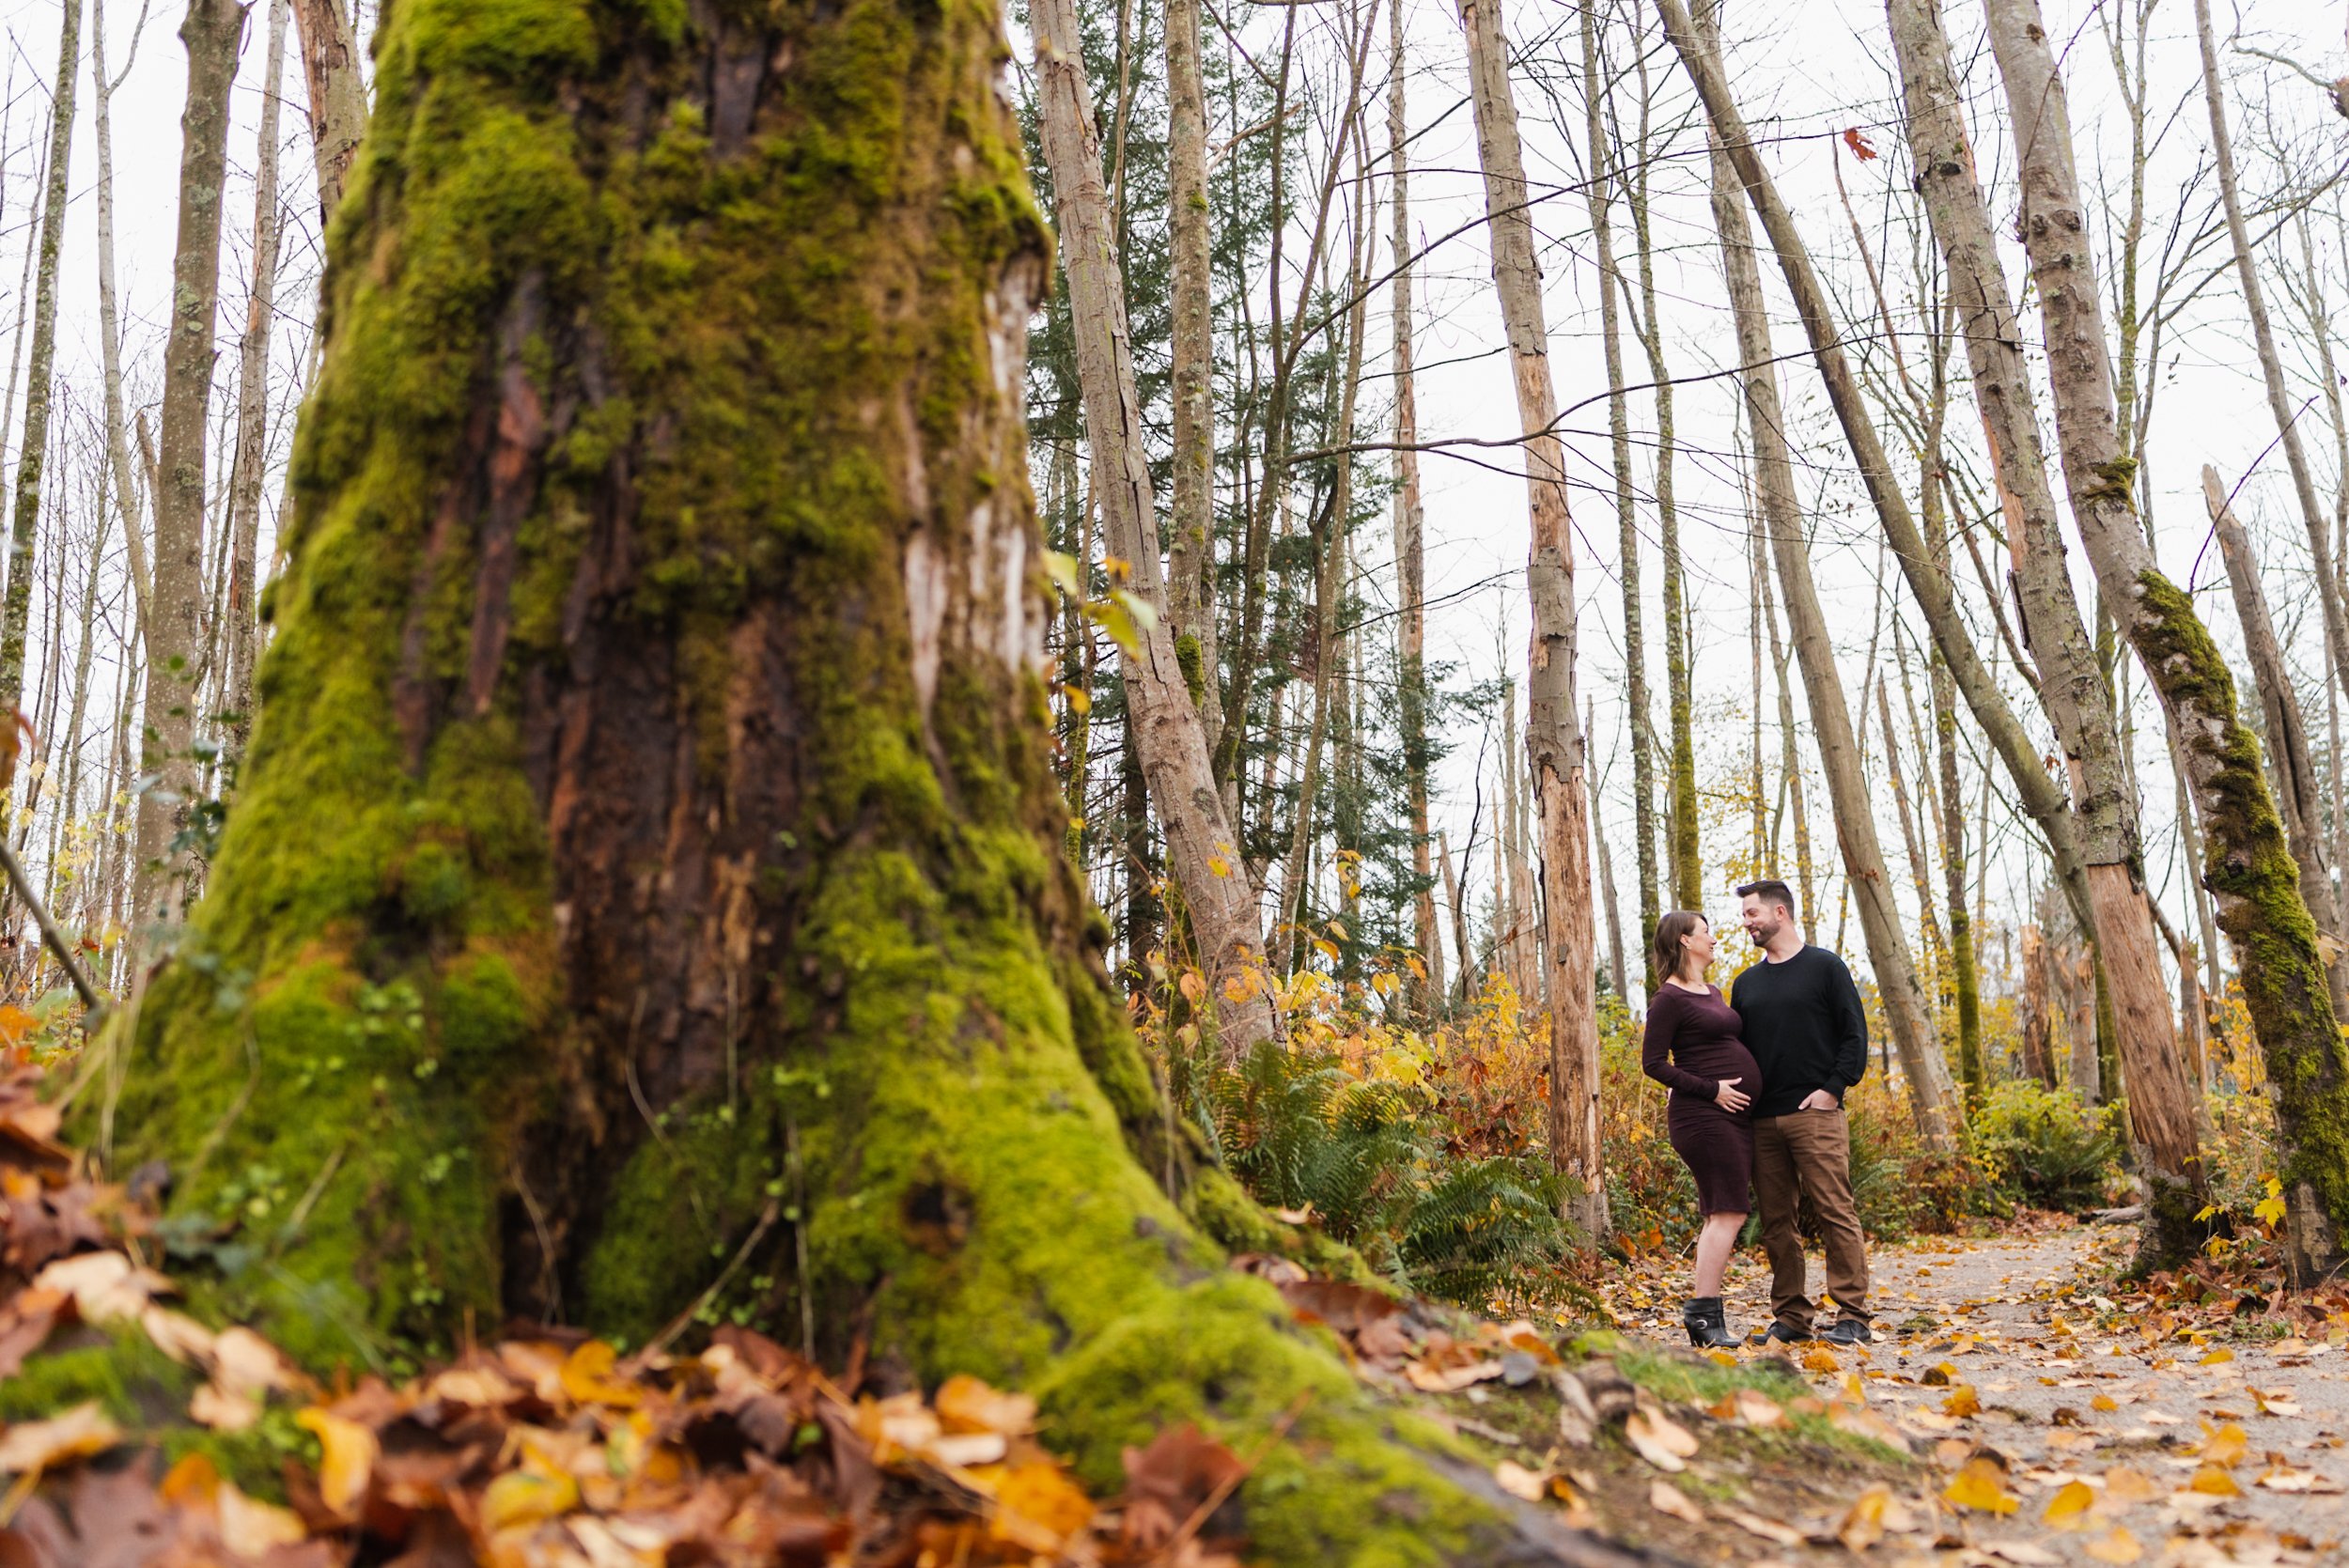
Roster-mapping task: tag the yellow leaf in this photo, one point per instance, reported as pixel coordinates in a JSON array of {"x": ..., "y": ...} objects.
[
  {"x": 2225, "y": 1446},
  {"x": 2212, "y": 1481},
  {"x": 2120, "y": 1547},
  {"x": 251, "y": 1529},
  {"x": 2219, "y": 1355},
  {"x": 1863, "y": 1524},
  {"x": 1038, "y": 1508},
  {"x": 2125, "y": 1485},
  {"x": 2104, "y": 1401},
  {"x": 587, "y": 1378},
  {"x": 346, "y": 1459},
  {"x": 2270, "y": 1211},
  {"x": 2070, "y": 1504},
  {"x": 1819, "y": 1361},
  {"x": 1962, "y": 1400},
  {"x": 520, "y": 1498},
  {"x": 1980, "y": 1484}
]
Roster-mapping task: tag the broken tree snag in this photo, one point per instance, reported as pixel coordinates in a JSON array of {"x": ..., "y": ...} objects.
[
  {"x": 1169, "y": 734},
  {"x": 1554, "y": 742},
  {"x": 2292, "y": 768},
  {"x": 716, "y": 872},
  {"x": 2247, "y": 863}
]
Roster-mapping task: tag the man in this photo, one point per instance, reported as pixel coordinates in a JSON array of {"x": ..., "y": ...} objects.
[{"x": 1808, "y": 1035}]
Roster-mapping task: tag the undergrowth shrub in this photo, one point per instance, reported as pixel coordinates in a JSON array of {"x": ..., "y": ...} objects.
[{"x": 2048, "y": 1147}]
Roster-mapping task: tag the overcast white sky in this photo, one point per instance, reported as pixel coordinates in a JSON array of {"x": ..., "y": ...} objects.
[{"x": 1805, "y": 73}]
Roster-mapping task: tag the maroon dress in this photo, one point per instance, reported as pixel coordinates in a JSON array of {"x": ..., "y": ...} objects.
[{"x": 1693, "y": 1043}]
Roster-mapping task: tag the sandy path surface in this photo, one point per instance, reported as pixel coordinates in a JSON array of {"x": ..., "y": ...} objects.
[{"x": 2089, "y": 1438}]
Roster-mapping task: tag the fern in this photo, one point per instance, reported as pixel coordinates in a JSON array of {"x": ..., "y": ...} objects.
[{"x": 1298, "y": 1129}]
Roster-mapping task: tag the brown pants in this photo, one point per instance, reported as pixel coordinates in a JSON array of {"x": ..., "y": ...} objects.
[{"x": 1808, "y": 1154}]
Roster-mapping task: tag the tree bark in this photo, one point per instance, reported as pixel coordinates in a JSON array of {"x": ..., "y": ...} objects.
[
  {"x": 16, "y": 606},
  {"x": 242, "y": 632},
  {"x": 1203, "y": 851},
  {"x": 174, "y": 632},
  {"x": 2292, "y": 764},
  {"x": 338, "y": 102},
  {"x": 1930, "y": 1090},
  {"x": 2072, "y": 685},
  {"x": 1191, "y": 554},
  {"x": 125, "y": 490},
  {"x": 1553, "y": 736},
  {"x": 2247, "y": 863},
  {"x": 1599, "y": 195},
  {"x": 1409, "y": 533},
  {"x": 714, "y": 837}
]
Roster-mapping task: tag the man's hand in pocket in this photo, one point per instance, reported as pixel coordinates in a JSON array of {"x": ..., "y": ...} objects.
[{"x": 1819, "y": 1099}]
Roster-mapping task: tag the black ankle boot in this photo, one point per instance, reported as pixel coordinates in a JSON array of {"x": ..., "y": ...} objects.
[{"x": 1707, "y": 1322}]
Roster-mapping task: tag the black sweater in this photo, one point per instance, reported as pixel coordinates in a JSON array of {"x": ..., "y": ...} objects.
[{"x": 1804, "y": 1026}]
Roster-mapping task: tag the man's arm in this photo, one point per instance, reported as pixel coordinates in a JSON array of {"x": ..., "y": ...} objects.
[{"x": 1850, "y": 1022}]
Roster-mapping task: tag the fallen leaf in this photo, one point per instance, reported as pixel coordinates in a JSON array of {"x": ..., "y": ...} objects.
[
  {"x": 1660, "y": 1440},
  {"x": 966, "y": 1405},
  {"x": 2119, "y": 1546},
  {"x": 251, "y": 1529},
  {"x": 1449, "y": 1380},
  {"x": 521, "y": 1497},
  {"x": 348, "y": 1452},
  {"x": 2225, "y": 1446},
  {"x": 2022, "y": 1552},
  {"x": 1768, "y": 1529},
  {"x": 587, "y": 1378},
  {"x": 1818, "y": 1359},
  {"x": 1962, "y": 1400},
  {"x": 1863, "y": 1522},
  {"x": 1663, "y": 1496},
  {"x": 2125, "y": 1486},
  {"x": 1980, "y": 1484},
  {"x": 1038, "y": 1508},
  {"x": 1757, "y": 1409},
  {"x": 2104, "y": 1401},
  {"x": 2069, "y": 1507},
  {"x": 2212, "y": 1481},
  {"x": 33, "y": 1447},
  {"x": 1520, "y": 1482}
]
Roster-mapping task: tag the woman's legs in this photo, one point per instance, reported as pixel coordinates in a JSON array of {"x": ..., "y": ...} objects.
[{"x": 1714, "y": 1243}]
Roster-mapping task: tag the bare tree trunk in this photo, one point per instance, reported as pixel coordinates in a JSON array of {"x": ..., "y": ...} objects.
[
  {"x": 338, "y": 102},
  {"x": 1930, "y": 1089},
  {"x": 2037, "y": 1003},
  {"x": 1790, "y": 751},
  {"x": 241, "y": 630},
  {"x": 1191, "y": 555},
  {"x": 1201, "y": 849},
  {"x": 1617, "y": 974},
  {"x": 1757, "y": 572},
  {"x": 2292, "y": 768},
  {"x": 2264, "y": 341},
  {"x": 126, "y": 491},
  {"x": 2249, "y": 866},
  {"x": 68, "y": 797},
  {"x": 1409, "y": 532},
  {"x": 1553, "y": 736},
  {"x": 1920, "y": 866},
  {"x": 174, "y": 635},
  {"x": 1600, "y": 198},
  {"x": 2072, "y": 685},
  {"x": 1453, "y": 899},
  {"x": 32, "y": 449}
]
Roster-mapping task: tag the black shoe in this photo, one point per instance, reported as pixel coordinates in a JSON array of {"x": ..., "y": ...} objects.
[
  {"x": 1779, "y": 1333},
  {"x": 1848, "y": 1330},
  {"x": 1707, "y": 1322}
]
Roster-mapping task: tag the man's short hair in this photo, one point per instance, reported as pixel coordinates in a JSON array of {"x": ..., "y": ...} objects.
[{"x": 1770, "y": 890}]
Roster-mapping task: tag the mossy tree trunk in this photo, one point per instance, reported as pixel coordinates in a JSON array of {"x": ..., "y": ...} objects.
[
  {"x": 2247, "y": 863},
  {"x": 648, "y": 858},
  {"x": 1555, "y": 744}
]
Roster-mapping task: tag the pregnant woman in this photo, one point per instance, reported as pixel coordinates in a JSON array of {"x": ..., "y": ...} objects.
[{"x": 1693, "y": 1046}]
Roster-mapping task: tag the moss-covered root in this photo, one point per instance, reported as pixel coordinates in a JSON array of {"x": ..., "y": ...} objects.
[
  {"x": 2248, "y": 868},
  {"x": 1349, "y": 1481}
]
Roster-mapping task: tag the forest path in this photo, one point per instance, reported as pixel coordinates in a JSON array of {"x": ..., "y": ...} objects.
[{"x": 2062, "y": 1425}]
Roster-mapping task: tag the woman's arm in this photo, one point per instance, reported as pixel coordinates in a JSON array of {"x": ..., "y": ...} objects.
[{"x": 1665, "y": 1011}]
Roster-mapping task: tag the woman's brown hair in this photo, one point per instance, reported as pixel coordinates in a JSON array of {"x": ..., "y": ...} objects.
[{"x": 1668, "y": 934}]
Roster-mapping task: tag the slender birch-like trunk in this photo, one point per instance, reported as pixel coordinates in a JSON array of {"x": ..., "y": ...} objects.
[
  {"x": 174, "y": 633},
  {"x": 1600, "y": 197},
  {"x": 338, "y": 102},
  {"x": 2248, "y": 865},
  {"x": 1170, "y": 737},
  {"x": 1617, "y": 973},
  {"x": 125, "y": 490},
  {"x": 2291, "y": 767},
  {"x": 1553, "y": 734},
  {"x": 1410, "y": 529},
  {"x": 1190, "y": 553},
  {"x": 1930, "y": 1090},
  {"x": 240, "y": 628},
  {"x": 1789, "y": 748},
  {"x": 16, "y": 606}
]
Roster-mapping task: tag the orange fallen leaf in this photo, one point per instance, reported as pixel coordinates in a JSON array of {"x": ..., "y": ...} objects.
[
  {"x": 1038, "y": 1508},
  {"x": 966, "y": 1405},
  {"x": 1962, "y": 1402},
  {"x": 588, "y": 1378},
  {"x": 1980, "y": 1484},
  {"x": 348, "y": 1452},
  {"x": 2069, "y": 1507},
  {"x": 2212, "y": 1481},
  {"x": 1863, "y": 1523}
]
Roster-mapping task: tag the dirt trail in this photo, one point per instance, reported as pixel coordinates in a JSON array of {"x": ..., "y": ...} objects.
[{"x": 2056, "y": 1428}]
